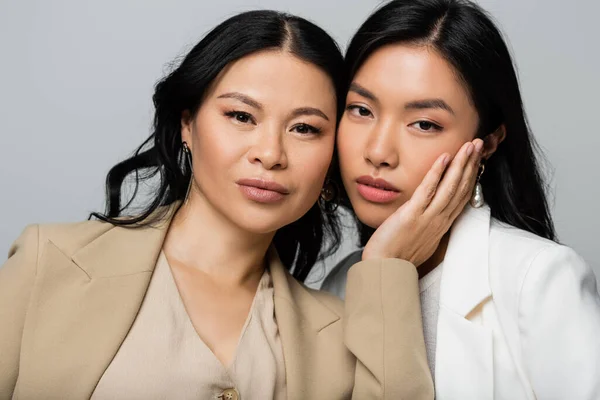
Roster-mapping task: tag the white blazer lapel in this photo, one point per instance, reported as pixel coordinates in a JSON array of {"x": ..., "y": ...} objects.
[{"x": 464, "y": 349}]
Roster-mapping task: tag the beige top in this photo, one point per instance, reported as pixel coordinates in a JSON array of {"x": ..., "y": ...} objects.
[{"x": 162, "y": 357}]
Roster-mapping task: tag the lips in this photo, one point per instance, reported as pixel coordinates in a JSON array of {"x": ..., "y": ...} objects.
[
  {"x": 376, "y": 190},
  {"x": 262, "y": 191}
]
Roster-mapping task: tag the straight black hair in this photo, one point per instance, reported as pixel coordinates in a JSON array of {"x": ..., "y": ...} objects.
[
  {"x": 468, "y": 39},
  {"x": 299, "y": 244}
]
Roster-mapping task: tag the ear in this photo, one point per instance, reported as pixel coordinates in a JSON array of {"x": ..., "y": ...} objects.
[
  {"x": 492, "y": 141},
  {"x": 187, "y": 123}
]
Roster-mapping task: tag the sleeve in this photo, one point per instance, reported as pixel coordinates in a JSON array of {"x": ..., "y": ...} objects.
[
  {"x": 383, "y": 329},
  {"x": 16, "y": 280},
  {"x": 559, "y": 322}
]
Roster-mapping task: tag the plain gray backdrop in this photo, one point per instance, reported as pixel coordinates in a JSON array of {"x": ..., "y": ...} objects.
[{"x": 76, "y": 79}]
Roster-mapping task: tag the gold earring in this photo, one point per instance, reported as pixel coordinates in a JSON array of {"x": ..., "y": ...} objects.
[
  {"x": 329, "y": 197},
  {"x": 477, "y": 199},
  {"x": 188, "y": 157}
]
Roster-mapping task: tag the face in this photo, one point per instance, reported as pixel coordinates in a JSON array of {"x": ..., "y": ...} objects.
[
  {"x": 405, "y": 108},
  {"x": 262, "y": 140}
]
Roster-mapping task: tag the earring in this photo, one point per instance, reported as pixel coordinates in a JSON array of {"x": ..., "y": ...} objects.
[
  {"x": 477, "y": 200},
  {"x": 329, "y": 198},
  {"x": 188, "y": 158}
]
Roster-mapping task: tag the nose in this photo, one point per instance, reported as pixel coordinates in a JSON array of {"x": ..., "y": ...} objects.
[
  {"x": 381, "y": 150},
  {"x": 269, "y": 150}
]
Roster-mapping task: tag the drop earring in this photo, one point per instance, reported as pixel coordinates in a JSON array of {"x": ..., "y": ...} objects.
[
  {"x": 477, "y": 200},
  {"x": 187, "y": 154},
  {"x": 329, "y": 198}
]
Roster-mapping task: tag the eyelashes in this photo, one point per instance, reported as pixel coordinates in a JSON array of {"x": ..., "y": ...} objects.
[
  {"x": 244, "y": 118},
  {"x": 427, "y": 126},
  {"x": 241, "y": 117},
  {"x": 306, "y": 129},
  {"x": 359, "y": 111}
]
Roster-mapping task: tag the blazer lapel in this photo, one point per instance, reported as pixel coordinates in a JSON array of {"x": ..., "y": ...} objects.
[
  {"x": 464, "y": 349},
  {"x": 300, "y": 317},
  {"x": 85, "y": 305}
]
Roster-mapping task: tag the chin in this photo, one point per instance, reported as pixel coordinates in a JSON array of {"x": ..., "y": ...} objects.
[
  {"x": 372, "y": 215},
  {"x": 263, "y": 222}
]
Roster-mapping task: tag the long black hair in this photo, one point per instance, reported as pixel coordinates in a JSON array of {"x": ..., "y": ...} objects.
[
  {"x": 467, "y": 38},
  {"x": 159, "y": 158}
]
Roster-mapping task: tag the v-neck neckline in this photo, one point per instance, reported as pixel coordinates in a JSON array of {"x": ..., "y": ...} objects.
[{"x": 172, "y": 286}]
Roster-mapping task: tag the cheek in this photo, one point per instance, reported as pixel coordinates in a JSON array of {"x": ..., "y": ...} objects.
[
  {"x": 418, "y": 156},
  {"x": 312, "y": 165},
  {"x": 351, "y": 142},
  {"x": 216, "y": 146}
]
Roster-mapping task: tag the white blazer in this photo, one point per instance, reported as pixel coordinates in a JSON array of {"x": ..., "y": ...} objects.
[{"x": 519, "y": 316}]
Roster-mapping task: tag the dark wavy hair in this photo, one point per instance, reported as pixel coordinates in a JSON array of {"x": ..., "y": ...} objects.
[
  {"x": 159, "y": 158},
  {"x": 468, "y": 39}
]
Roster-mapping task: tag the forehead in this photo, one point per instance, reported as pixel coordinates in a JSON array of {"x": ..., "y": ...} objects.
[
  {"x": 277, "y": 77},
  {"x": 406, "y": 73}
]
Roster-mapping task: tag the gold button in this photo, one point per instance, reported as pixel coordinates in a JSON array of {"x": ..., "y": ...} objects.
[{"x": 230, "y": 394}]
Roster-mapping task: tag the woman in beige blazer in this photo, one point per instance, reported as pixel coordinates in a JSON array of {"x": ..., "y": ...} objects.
[{"x": 192, "y": 296}]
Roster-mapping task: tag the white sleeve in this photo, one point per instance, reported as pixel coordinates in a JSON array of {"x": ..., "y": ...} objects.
[{"x": 559, "y": 321}]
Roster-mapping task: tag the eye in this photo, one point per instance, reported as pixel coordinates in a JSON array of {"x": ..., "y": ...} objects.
[
  {"x": 427, "y": 126},
  {"x": 359, "y": 111},
  {"x": 240, "y": 117},
  {"x": 305, "y": 129}
]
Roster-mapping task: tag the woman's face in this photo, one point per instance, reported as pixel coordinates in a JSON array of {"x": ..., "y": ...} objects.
[
  {"x": 406, "y": 107},
  {"x": 262, "y": 140}
]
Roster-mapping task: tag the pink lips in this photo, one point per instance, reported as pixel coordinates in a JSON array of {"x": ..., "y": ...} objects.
[
  {"x": 262, "y": 191},
  {"x": 376, "y": 190}
]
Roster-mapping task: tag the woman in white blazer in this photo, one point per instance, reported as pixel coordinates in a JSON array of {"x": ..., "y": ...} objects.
[{"x": 508, "y": 313}]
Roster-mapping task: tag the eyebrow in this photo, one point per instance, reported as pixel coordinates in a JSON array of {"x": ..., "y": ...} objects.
[
  {"x": 309, "y": 111},
  {"x": 356, "y": 88},
  {"x": 429, "y": 103},
  {"x": 243, "y": 98},
  {"x": 414, "y": 105},
  {"x": 255, "y": 104}
]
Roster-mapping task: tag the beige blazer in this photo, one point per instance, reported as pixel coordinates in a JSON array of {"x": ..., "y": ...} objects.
[{"x": 69, "y": 295}]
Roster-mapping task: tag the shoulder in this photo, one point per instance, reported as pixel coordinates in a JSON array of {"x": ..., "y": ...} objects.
[
  {"x": 27, "y": 252},
  {"x": 513, "y": 246},
  {"x": 66, "y": 236},
  {"x": 501, "y": 232},
  {"x": 70, "y": 237},
  {"x": 521, "y": 261}
]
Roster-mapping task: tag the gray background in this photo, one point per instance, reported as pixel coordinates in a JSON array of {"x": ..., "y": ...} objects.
[{"x": 76, "y": 78}]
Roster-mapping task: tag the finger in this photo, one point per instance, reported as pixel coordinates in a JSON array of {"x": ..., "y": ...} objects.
[
  {"x": 426, "y": 190},
  {"x": 456, "y": 211},
  {"x": 449, "y": 185},
  {"x": 468, "y": 181}
]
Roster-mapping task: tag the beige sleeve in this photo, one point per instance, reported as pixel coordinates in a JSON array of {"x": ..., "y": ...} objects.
[
  {"x": 383, "y": 330},
  {"x": 16, "y": 281}
]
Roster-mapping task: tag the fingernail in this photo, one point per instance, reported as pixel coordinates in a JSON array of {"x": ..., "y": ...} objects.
[
  {"x": 446, "y": 160},
  {"x": 470, "y": 149},
  {"x": 479, "y": 146}
]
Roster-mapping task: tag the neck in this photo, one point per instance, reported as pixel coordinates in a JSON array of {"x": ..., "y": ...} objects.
[
  {"x": 201, "y": 237},
  {"x": 437, "y": 257}
]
